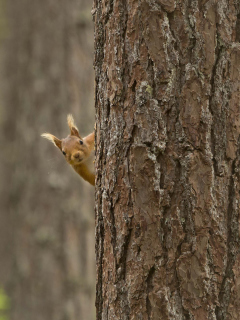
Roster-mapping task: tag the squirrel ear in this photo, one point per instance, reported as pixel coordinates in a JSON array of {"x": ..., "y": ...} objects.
[
  {"x": 53, "y": 139},
  {"x": 72, "y": 126}
]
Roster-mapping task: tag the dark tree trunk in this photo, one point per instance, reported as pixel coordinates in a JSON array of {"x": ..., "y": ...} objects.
[
  {"x": 168, "y": 184},
  {"x": 47, "y": 216}
]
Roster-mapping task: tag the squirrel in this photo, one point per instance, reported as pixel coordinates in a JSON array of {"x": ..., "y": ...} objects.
[{"x": 78, "y": 151}]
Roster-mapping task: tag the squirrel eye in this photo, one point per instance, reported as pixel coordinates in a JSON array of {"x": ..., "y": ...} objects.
[
  {"x": 64, "y": 153},
  {"x": 80, "y": 141}
]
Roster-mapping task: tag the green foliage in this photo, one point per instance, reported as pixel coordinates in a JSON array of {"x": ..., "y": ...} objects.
[{"x": 4, "y": 305}]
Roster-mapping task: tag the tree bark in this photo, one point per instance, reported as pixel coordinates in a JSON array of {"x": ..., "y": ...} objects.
[
  {"x": 47, "y": 216},
  {"x": 167, "y": 159}
]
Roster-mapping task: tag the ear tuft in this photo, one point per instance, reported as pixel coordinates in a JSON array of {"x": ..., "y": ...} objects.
[
  {"x": 70, "y": 121},
  {"x": 72, "y": 126},
  {"x": 48, "y": 136},
  {"x": 53, "y": 139}
]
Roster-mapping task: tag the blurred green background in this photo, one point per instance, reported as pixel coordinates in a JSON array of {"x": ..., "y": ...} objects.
[{"x": 47, "y": 266}]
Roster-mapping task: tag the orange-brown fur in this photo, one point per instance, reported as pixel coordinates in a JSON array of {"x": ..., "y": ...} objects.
[{"x": 78, "y": 151}]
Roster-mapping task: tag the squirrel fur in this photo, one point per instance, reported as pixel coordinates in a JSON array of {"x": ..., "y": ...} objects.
[{"x": 78, "y": 151}]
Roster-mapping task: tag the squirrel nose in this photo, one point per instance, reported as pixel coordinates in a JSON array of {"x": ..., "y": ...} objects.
[{"x": 76, "y": 155}]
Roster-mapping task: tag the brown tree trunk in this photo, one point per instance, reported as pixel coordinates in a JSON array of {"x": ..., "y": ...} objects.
[
  {"x": 168, "y": 184},
  {"x": 47, "y": 212}
]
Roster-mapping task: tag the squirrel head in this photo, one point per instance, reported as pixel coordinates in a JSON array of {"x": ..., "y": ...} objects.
[{"x": 74, "y": 148}]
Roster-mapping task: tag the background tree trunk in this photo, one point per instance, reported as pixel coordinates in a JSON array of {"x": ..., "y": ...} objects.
[
  {"x": 47, "y": 217},
  {"x": 168, "y": 185}
]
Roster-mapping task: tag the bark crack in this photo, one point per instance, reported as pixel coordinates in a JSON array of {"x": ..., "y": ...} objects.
[
  {"x": 121, "y": 266},
  {"x": 109, "y": 13},
  {"x": 113, "y": 227},
  {"x": 218, "y": 53},
  {"x": 192, "y": 35},
  {"x": 233, "y": 237},
  {"x": 178, "y": 254},
  {"x": 99, "y": 259},
  {"x": 237, "y": 6},
  {"x": 149, "y": 282},
  {"x": 238, "y": 28}
]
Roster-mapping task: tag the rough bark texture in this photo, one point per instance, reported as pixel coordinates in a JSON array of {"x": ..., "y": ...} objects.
[
  {"x": 168, "y": 183},
  {"x": 47, "y": 211}
]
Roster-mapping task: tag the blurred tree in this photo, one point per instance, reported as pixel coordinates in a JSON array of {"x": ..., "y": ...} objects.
[
  {"x": 168, "y": 157},
  {"x": 47, "y": 217}
]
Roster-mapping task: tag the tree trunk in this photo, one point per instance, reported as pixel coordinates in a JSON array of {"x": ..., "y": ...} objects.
[
  {"x": 168, "y": 184},
  {"x": 47, "y": 216}
]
